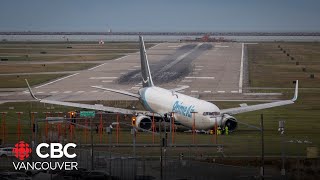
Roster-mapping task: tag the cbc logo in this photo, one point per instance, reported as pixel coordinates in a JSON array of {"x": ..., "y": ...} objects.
[
  {"x": 21, "y": 150},
  {"x": 56, "y": 150}
]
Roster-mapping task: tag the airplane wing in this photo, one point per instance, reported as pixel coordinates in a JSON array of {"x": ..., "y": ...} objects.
[
  {"x": 179, "y": 88},
  {"x": 244, "y": 109},
  {"x": 118, "y": 91},
  {"x": 79, "y": 105}
]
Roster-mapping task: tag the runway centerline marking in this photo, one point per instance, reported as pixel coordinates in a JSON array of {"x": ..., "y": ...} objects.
[
  {"x": 221, "y": 91},
  {"x": 57, "y": 80},
  {"x": 107, "y": 81},
  {"x": 67, "y": 92},
  {"x": 54, "y": 92}
]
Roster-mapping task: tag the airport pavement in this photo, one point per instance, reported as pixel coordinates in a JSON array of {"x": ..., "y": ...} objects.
[{"x": 208, "y": 68}]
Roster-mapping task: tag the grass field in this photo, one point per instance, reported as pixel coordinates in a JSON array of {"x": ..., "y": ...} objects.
[
  {"x": 64, "y": 52},
  {"x": 274, "y": 64},
  {"x": 13, "y": 81},
  {"x": 30, "y": 68}
]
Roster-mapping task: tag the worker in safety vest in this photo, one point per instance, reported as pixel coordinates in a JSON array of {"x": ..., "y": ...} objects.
[
  {"x": 226, "y": 130},
  {"x": 219, "y": 131}
]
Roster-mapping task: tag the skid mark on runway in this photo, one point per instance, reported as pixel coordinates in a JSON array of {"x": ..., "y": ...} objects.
[{"x": 171, "y": 67}]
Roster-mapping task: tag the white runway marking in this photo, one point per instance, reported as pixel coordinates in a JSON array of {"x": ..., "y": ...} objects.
[
  {"x": 67, "y": 92},
  {"x": 195, "y": 77},
  {"x": 94, "y": 91},
  {"x": 123, "y": 73},
  {"x": 207, "y": 91},
  {"x": 97, "y": 66},
  {"x": 234, "y": 91},
  {"x": 25, "y": 92},
  {"x": 186, "y": 81},
  {"x": 135, "y": 88},
  {"x": 241, "y": 69},
  {"x": 103, "y": 77},
  {"x": 138, "y": 85},
  {"x": 219, "y": 46},
  {"x": 106, "y": 63},
  {"x": 155, "y": 46},
  {"x": 197, "y": 69},
  {"x": 107, "y": 81},
  {"x": 56, "y": 80},
  {"x": 175, "y": 46},
  {"x": 54, "y": 92},
  {"x": 78, "y": 92},
  {"x": 199, "y": 66},
  {"x": 136, "y": 66},
  {"x": 221, "y": 91},
  {"x": 194, "y": 91},
  {"x": 120, "y": 58},
  {"x": 40, "y": 92}
]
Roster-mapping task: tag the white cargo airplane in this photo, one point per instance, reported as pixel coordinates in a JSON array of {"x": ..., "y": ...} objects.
[{"x": 161, "y": 101}]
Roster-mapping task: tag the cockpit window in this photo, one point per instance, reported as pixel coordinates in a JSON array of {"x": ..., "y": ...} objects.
[{"x": 211, "y": 113}]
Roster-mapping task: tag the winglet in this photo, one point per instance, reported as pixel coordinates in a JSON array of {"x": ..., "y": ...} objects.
[
  {"x": 31, "y": 93},
  {"x": 295, "y": 97}
]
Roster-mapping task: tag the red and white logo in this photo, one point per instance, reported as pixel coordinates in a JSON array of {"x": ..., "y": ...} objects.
[{"x": 22, "y": 150}]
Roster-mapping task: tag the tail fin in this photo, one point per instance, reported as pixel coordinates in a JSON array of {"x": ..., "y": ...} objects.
[{"x": 145, "y": 69}]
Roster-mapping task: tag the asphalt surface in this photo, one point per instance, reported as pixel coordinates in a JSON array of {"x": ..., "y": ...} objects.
[
  {"x": 208, "y": 68},
  {"x": 171, "y": 67}
]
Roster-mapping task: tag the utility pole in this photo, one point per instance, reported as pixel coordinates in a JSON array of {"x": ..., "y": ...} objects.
[
  {"x": 262, "y": 149},
  {"x": 161, "y": 175},
  {"x": 133, "y": 132},
  {"x": 109, "y": 132},
  {"x": 91, "y": 144}
]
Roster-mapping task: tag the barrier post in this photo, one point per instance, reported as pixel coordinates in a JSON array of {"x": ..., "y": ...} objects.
[
  {"x": 3, "y": 127},
  {"x": 117, "y": 128},
  {"x": 194, "y": 127},
  {"x": 19, "y": 125},
  {"x": 153, "y": 128},
  {"x": 173, "y": 128},
  {"x": 33, "y": 126}
]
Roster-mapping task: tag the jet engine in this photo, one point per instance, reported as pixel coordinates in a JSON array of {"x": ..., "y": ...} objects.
[
  {"x": 144, "y": 122},
  {"x": 229, "y": 121}
]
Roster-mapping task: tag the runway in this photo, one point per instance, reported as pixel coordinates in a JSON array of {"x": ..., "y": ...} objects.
[{"x": 208, "y": 68}]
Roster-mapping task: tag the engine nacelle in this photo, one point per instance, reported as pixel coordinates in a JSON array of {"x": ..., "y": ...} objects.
[
  {"x": 143, "y": 122},
  {"x": 229, "y": 121}
]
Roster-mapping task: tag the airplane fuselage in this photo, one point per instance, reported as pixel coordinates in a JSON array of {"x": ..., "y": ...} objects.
[{"x": 187, "y": 110}]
